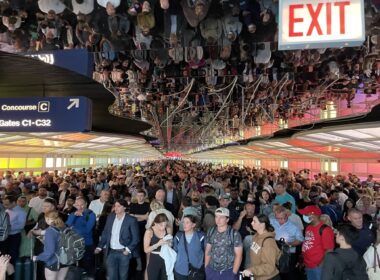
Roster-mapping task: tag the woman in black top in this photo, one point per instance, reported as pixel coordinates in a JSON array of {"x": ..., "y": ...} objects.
[{"x": 153, "y": 240}]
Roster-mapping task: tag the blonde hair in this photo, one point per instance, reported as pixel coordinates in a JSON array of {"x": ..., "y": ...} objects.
[
  {"x": 326, "y": 220},
  {"x": 57, "y": 220},
  {"x": 155, "y": 205}
]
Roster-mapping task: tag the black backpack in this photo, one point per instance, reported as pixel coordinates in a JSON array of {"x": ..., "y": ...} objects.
[
  {"x": 283, "y": 264},
  {"x": 5, "y": 225}
]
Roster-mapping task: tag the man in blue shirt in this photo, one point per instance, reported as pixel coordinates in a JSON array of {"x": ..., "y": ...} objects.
[
  {"x": 291, "y": 234},
  {"x": 282, "y": 196},
  {"x": 17, "y": 217},
  {"x": 83, "y": 222}
]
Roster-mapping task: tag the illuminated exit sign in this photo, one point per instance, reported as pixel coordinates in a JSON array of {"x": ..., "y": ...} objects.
[{"x": 305, "y": 24}]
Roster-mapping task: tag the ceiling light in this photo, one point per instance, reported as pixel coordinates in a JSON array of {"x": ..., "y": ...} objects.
[
  {"x": 278, "y": 144},
  {"x": 329, "y": 137},
  {"x": 375, "y": 131},
  {"x": 354, "y": 133},
  {"x": 105, "y": 139}
]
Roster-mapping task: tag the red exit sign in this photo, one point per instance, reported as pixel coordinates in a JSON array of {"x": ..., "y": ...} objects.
[{"x": 320, "y": 24}]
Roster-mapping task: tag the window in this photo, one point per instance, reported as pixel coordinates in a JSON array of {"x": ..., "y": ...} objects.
[
  {"x": 329, "y": 165},
  {"x": 283, "y": 124},
  {"x": 3, "y": 162},
  {"x": 58, "y": 162},
  {"x": 17, "y": 162},
  {"x": 258, "y": 130},
  {"x": 330, "y": 111},
  {"x": 258, "y": 163},
  {"x": 49, "y": 162},
  {"x": 284, "y": 164}
]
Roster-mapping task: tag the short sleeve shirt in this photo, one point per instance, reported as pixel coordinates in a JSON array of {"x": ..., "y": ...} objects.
[
  {"x": 222, "y": 248},
  {"x": 315, "y": 246}
]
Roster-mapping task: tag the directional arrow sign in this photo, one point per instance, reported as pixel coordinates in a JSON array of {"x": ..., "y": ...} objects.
[
  {"x": 74, "y": 102},
  {"x": 47, "y": 114}
]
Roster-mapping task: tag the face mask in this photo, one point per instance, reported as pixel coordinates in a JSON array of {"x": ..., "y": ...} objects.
[{"x": 306, "y": 219}]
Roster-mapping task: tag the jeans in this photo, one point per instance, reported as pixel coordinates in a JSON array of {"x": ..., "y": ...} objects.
[
  {"x": 220, "y": 275},
  {"x": 117, "y": 265},
  {"x": 313, "y": 273}
]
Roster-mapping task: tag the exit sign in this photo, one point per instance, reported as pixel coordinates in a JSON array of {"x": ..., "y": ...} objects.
[{"x": 307, "y": 24}]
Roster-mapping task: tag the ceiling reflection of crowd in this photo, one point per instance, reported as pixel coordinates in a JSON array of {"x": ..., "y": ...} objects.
[{"x": 195, "y": 69}]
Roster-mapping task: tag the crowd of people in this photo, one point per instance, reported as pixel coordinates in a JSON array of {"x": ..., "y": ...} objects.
[
  {"x": 187, "y": 54},
  {"x": 184, "y": 220}
]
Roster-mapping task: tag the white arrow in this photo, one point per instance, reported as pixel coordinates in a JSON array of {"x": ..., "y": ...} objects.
[{"x": 74, "y": 102}]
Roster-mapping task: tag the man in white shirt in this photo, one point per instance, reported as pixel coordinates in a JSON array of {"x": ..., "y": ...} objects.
[
  {"x": 37, "y": 202},
  {"x": 97, "y": 205},
  {"x": 120, "y": 237}
]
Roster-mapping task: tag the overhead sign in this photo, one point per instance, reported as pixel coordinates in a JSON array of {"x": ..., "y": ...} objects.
[
  {"x": 320, "y": 24},
  {"x": 77, "y": 60},
  {"x": 46, "y": 114}
]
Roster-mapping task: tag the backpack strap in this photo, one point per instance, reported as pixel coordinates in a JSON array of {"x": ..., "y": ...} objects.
[
  {"x": 179, "y": 235},
  {"x": 231, "y": 233},
  {"x": 268, "y": 237},
  {"x": 375, "y": 257},
  {"x": 322, "y": 228}
]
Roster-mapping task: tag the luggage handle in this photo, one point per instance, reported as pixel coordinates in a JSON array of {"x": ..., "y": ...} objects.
[{"x": 241, "y": 276}]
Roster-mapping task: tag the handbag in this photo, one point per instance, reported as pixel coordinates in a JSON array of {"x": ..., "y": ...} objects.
[
  {"x": 30, "y": 224},
  {"x": 194, "y": 273},
  {"x": 374, "y": 272}
]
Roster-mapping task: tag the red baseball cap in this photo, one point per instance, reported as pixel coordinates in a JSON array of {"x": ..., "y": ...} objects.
[{"x": 311, "y": 209}]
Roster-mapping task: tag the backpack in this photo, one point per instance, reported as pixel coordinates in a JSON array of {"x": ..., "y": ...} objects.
[
  {"x": 71, "y": 247},
  {"x": 181, "y": 234},
  {"x": 231, "y": 232},
  {"x": 283, "y": 263},
  {"x": 5, "y": 224}
]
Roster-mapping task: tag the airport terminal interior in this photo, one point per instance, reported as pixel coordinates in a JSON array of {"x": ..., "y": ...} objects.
[{"x": 254, "y": 103}]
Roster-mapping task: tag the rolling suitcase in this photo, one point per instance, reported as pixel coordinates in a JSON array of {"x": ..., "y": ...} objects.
[{"x": 26, "y": 269}]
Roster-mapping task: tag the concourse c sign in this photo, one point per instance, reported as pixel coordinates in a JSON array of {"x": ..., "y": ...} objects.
[
  {"x": 46, "y": 114},
  {"x": 305, "y": 24}
]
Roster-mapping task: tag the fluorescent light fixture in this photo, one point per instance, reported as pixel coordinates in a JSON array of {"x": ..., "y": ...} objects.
[
  {"x": 365, "y": 145},
  {"x": 105, "y": 139},
  {"x": 307, "y": 138},
  {"x": 278, "y": 144},
  {"x": 375, "y": 131},
  {"x": 328, "y": 137},
  {"x": 13, "y": 138},
  {"x": 42, "y": 133},
  {"x": 100, "y": 146},
  {"x": 262, "y": 145},
  {"x": 354, "y": 133},
  {"x": 83, "y": 145},
  {"x": 125, "y": 141},
  {"x": 299, "y": 150},
  {"x": 351, "y": 147}
]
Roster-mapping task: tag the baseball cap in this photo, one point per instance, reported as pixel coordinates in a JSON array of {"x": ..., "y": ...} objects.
[
  {"x": 205, "y": 185},
  {"x": 225, "y": 196},
  {"x": 311, "y": 209},
  {"x": 223, "y": 212}
]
